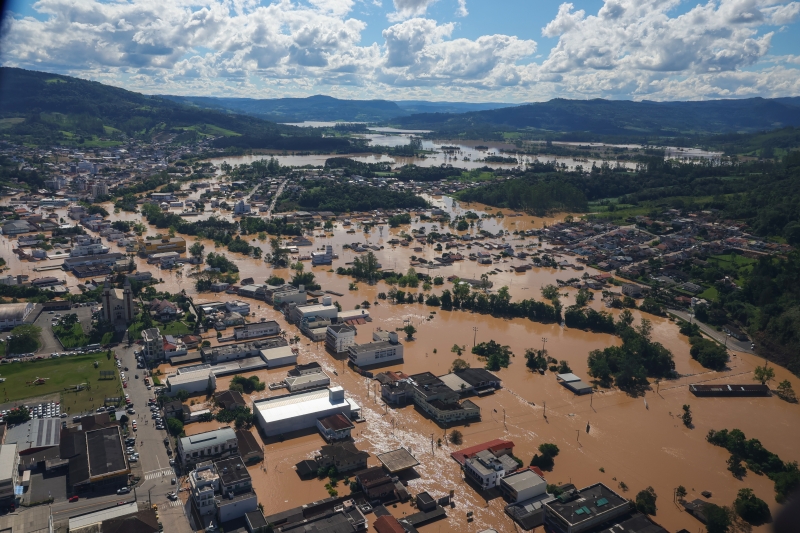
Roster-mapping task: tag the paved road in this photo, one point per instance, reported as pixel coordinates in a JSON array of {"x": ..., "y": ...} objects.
[
  {"x": 275, "y": 198},
  {"x": 45, "y": 321},
  {"x": 157, "y": 473},
  {"x": 719, "y": 336}
]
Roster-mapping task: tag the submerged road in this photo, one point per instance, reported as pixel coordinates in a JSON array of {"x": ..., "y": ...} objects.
[{"x": 719, "y": 336}]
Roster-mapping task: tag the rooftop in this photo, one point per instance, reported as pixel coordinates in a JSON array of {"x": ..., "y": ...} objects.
[
  {"x": 493, "y": 446},
  {"x": 336, "y": 422},
  {"x": 209, "y": 438},
  {"x": 524, "y": 480},
  {"x": 232, "y": 470},
  {"x": 297, "y": 405},
  {"x": 99, "y": 516},
  {"x": 575, "y": 507},
  {"x": 106, "y": 454},
  {"x": 397, "y": 460},
  {"x": 8, "y": 454},
  {"x": 13, "y": 311},
  {"x": 370, "y": 346}
]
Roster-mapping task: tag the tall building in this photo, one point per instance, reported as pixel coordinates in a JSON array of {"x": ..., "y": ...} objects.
[
  {"x": 118, "y": 305},
  {"x": 153, "y": 344}
]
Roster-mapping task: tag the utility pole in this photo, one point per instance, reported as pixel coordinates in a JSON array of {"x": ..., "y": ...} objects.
[
  {"x": 431, "y": 443},
  {"x": 504, "y": 419},
  {"x": 544, "y": 413},
  {"x": 474, "y": 335},
  {"x": 544, "y": 341}
]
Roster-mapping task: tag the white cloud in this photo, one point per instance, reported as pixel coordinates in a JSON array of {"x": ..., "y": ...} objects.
[
  {"x": 406, "y": 9},
  {"x": 626, "y": 49}
]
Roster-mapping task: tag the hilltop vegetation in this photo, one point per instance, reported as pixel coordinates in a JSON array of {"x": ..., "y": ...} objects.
[{"x": 43, "y": 108}]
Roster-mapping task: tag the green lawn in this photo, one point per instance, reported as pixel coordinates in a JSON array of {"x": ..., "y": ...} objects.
[
  {"x": 73, "y": 337},
  {"x": 174, "y": 328},
  {"x": 732, "y": 260},
  {"x": 62, "y": 373},
  {"x": 710, "y": 293}
]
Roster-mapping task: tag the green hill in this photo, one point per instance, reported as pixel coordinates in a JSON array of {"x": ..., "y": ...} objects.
[
  {"x": 43, "y": 108},
  {"x": 619, "y": 118}
]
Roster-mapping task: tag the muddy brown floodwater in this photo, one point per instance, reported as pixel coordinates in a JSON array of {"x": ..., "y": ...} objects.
[{"x": 638, "y": 441}]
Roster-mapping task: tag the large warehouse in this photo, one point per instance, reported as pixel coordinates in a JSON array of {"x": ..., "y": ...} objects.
[{"x": 284, "y": 414}]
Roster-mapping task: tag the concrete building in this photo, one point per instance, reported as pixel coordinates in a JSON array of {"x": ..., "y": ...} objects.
[
  {"x": 279, "y": 356},
  {"x": 256, "y": 329},
  {"x": 241, "y": 208},
  {"x": 472, "y": 381},
  {"x": 331, "y": 515},
  {"x": 203, "y": 485},
  {"x": 215, "y": 444},
  {"x": 192, "y": 380},
  {"x": 340, "y": 337},
  {"x": 576, "y": 511},
  {"x": 238, "y": 306},
  {"x": 524, "y": 485},
  {"x": 303, "y": 382},
  {"x": 284, "y": 414},
  {"x": 486, "y": 469},
  {"x": 16, "y": 227},
  {"x": 9, "y": 472},
  {"x": 343, "y": 455},
  {"x": 377, "y": 352},
  {"x": 118, "y": 308},
  {"x": 13, "y": 315},
  {"x": 290, "y": 295},
  {"x": 92, "y": 247},
  {"x": 109, "y": 260},
  {"x": 96, "y": 455},
  {"x": 311, "y": 312},
  {"x": 236, "y": 490},
  {"x": 164, "y": 259},
  {"x": 335, "y": 427},
  {"x": 431, "y": 395},
  {"x": 157, "y": 246},
  {"x": 574, "y": 383},
  {"x": 323, "y": 258},
  {"x": 152, "y": 345}
]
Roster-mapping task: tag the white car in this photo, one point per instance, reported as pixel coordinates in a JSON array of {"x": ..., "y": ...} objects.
[{"x": 122, "y": 375}]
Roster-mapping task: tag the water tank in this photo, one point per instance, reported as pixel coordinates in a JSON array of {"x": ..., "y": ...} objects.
[
  {"x": 326, "y": 300},
  {"x": 393, "y": 337},
  {"x": 336, "y": 394}
]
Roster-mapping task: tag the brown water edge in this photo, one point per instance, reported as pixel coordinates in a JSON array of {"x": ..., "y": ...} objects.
[{"x": 638, "y": 445}]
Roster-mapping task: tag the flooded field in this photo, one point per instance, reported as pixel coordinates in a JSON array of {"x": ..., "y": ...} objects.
[{"x": 637, "y": 441}]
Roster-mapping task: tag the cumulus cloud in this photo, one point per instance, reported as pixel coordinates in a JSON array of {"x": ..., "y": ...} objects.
[
  {"x": 626, "y": 49},
  {"x": 406, "y": 9}
]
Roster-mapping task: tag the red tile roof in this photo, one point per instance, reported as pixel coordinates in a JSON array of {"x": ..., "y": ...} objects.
[
  {"x": 493, "y": 446},
  {"x": 388, "y": 524}
]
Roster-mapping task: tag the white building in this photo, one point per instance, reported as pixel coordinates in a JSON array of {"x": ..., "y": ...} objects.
[
  {"x": 193, "y": 380},
  {"x": 289, "y": 295},
  {"x": 241, "y": 208},
  {"x": 203, "y": 483},
  {"x": 153, "y": 344},
  {"x": 293, "y": 412},
  {"x": 238, "y": 306},
  {"x": 99, "y": 188},
  {"x": 384, "y": 348},
  {"x": 256, "y": 329},
  {"x": 523, "y": 486},
  {"x": 92, "y": 247},
  {"x": 164, "y": 258},
  {"x": 307, "y": 381},
  {"x": 340, "y": 337},
  {"x": 13, "y": 315},
  {"x": 323, "y": 258},
  {"x": 209, "y": 445},
  {"x": 310, "y": 312},
  {"x": 487, "y": 469},
  {"x": 279, "y": 356},
  {"x": 9, "y": 471}
]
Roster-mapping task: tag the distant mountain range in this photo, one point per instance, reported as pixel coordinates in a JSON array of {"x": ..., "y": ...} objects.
[
  {"x": 327, "y": 108},
  {"x": 622, "y": 117}
]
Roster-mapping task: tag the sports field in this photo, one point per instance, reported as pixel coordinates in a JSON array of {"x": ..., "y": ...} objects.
[{"x": 62, "y": 373}]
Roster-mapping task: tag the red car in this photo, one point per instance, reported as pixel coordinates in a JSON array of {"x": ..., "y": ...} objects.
[{"x": 73, "y": 499}]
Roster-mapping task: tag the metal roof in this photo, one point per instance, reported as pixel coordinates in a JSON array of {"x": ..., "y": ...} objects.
[
  {"x": 209, "y": 438},
  {"x": 99, "y": 516}
]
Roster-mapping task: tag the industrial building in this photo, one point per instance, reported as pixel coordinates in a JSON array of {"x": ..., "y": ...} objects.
[
  {"x": 157, "y": 246},
  {"x": 96, "y": 454},
  {"x": 384, "y": 348},
  {"x": 574, "y": 383},
  {"x": 523, "y": 485},
  {"x": 472, "y": 381},
  {"x": 194, "y": 379},
  {"x": 279, "y": 356},
  {"x": 284, "y": 414},
  {"x": 232, "y": 352},
  {"x": 313, "y": 380},
  {"x": 331, "y": 515},
  {"x": 431, "y": 395},
  {"x": 13, "y": 315}
]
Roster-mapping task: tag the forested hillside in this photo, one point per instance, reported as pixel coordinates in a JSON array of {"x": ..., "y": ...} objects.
[{"x": 42, "y": 108}]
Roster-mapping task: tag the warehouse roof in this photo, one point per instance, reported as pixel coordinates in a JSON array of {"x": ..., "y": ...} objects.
[
  {"x": 297, "y": 405},
  {"x": 106, "y": 454},
  {"x": 209, "y": 438},
  {"x": 397, "y": 460},
  {"x": 13, "y": 311}
]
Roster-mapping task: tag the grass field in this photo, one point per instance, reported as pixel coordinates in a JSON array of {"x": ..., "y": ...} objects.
[
  {"x": 73, "y": 337},
  {"x": 731, "y": 260},
  {"x": 710, "y": 293},
  {"x": 62, "y": 373}
]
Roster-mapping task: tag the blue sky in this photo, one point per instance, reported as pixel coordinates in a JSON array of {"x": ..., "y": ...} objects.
[{"x": 469, "y": 50}]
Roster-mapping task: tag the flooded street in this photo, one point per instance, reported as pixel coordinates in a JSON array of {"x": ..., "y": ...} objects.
[{"x": 636, "y": 441}]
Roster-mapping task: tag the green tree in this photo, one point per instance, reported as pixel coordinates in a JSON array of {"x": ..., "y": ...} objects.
[
  {"x": 182, "y": 395},
  {"x": 536, "y": 359},
  {"x": 687, "y": 415},
  {"x": 279, "y": 257},
  {"x": 409, "y": 330},
  {"x": 764, "y": 374},
  {"x": 736, "y": 467},
  {"x": 456, "y": 437},
  {"x": 751, "y": 508},
  {"x": 680, "y": 492},
  {"x": 550, "y": 292},
  {"x": 582, "y": 298},
  {"x": 174, "y": 426},
  {"x": 24, "y": 339},
  {"x": 786, "y": 392},
  {"x": 646, "y": 501},
  {"x": 196, "y": 250},
  {"x": 718, "y": 519},
  {"x": 459, "y": 364}
]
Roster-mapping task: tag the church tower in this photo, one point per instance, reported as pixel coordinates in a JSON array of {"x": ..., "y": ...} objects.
[
  {"x": 127, "y": 301},
  {"x": 106, "y": 299}
]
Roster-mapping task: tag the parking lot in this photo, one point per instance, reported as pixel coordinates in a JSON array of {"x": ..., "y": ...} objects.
[{"x": 45, "y": 321}]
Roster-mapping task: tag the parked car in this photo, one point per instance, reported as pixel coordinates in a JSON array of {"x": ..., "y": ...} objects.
[
  {"x": 124, "y": 490},
  {"x": 73, "y": 499}
]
